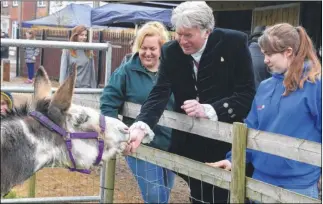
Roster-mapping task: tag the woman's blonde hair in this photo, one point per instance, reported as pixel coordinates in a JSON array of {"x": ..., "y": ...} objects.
[
  {"x": 152, "y": 28},
  {"x": 75, "y": 32},
  {"x": 277, "y": 39}
]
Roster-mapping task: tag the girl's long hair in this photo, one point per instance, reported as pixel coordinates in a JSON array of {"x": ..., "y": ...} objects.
[
  {"x": 280, "y": 37},
  {"x": 75, "y": 32}
]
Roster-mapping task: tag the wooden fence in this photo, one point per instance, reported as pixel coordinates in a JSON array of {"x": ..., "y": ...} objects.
[
  {"x": 237, "y": 134},
  {"x": 241, "y": 137},
  {"x": 280, "y": 145}
]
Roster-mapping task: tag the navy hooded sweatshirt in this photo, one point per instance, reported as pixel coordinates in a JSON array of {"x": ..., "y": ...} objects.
[{"x": 297, "y": 115}]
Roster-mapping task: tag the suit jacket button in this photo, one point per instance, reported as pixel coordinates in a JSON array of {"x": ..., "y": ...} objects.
[{"x": 226, "y": 105}]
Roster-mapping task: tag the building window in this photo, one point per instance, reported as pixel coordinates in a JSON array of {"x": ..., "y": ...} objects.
[
  {"x": 4, "y": 3},
  {"x": 14, "y": 3},
  {"x": 41, "y": 4}
]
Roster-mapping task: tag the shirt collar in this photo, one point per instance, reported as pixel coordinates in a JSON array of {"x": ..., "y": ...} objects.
[{"x": 197, "y": 55}]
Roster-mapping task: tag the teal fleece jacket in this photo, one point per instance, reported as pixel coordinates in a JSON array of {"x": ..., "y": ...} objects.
[{"x": 132, "y": 82}]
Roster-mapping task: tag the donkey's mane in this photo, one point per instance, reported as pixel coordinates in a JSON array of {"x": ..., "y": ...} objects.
[
  {"x": 16, "y": 112},
  {"x": 24, "y": 109}
]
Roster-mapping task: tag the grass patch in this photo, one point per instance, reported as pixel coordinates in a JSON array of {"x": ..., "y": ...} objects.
[{"x": 12, "y": 194}]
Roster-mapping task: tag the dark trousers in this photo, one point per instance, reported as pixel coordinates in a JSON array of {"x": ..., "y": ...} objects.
[
  {"x": 204, "y": 150},
  {"x": 202, "y": 192},
  {"x": 31, "y": 70}
]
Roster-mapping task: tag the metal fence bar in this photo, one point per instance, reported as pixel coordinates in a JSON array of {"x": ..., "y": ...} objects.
[
  {"x": 17, "y": 52},
  {"x": 56, "y": 44},
  {"x": 108, "y": 65},
  {"x": 17, "y": 89},
  {"x": 99, "y": 60},
  {"x": 102, "y": 181},
  {"x": 52, "y": 199}
]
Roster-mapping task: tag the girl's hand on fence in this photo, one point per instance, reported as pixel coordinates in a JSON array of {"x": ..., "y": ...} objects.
[{"x": 224, "y": 164}]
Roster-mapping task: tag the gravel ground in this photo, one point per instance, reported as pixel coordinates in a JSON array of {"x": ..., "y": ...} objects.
[{"x": 57, "y": 182}]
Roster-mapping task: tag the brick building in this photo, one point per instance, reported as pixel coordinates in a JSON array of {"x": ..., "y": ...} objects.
[{"x": 11, "y": 11}]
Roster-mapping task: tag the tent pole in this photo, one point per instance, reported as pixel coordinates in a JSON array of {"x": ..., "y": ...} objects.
[
  {"x": 91, "y": 35},
  {"x": 136, "y": 29}
]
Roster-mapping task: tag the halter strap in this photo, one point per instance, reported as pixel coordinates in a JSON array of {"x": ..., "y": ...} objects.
[{"x": 77, "y": 135}]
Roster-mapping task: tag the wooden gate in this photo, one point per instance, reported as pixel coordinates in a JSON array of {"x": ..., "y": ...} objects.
[{"x": 269, "y": 15}]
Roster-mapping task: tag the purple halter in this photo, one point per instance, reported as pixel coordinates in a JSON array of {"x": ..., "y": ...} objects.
[{"x": 77, "y": 135}]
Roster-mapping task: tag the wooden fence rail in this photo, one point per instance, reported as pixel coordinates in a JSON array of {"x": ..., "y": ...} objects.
[
  {"x": 255, "y": 190},
  {"x": 280, "y": 145}
]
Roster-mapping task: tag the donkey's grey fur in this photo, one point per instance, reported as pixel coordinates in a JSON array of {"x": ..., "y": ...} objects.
[
  {"x": 27, "y": 146},
  {"x": 15, "y": 144}
]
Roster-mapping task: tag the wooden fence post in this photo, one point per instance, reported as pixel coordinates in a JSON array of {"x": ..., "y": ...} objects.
[
  {"x": 238, "y": 170},
  {"x": 108, "y": 186},
  {"x": 32, "y": 186}
]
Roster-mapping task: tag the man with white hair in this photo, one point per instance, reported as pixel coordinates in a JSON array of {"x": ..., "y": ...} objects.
[{"x": 209, "y": 71}]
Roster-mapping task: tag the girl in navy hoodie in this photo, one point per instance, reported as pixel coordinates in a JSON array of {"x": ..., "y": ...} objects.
[{"x": 288, "y": 103}]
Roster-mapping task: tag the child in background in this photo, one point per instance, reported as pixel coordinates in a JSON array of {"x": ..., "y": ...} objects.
[
  {"x": 30, "y": 56},
  {"x": 6, "y": 102}
]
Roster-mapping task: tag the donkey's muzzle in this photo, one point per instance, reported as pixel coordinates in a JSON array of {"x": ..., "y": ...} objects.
[{"x": 125, "y": 134}]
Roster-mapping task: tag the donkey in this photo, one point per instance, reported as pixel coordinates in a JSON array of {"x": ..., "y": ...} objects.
[{"x": 28, "y": 143}]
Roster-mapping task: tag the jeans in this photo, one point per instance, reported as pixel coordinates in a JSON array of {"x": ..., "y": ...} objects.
[
  {"x": 311, "y": 191},
  {"x": 31, "y": 70},
  {"x": 155, "y": 182}
]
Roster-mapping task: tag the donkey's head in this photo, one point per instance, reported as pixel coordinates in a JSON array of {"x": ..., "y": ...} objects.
[
  {"x": 75, "y": 118},
  {"x": 28, "y": 145}
]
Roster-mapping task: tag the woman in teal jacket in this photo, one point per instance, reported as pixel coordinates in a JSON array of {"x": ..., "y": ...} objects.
[{"x": 133, "y": 82}]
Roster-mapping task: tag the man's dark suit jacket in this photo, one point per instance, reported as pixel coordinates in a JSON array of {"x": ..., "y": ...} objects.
[{"x": 225, "y": 80}]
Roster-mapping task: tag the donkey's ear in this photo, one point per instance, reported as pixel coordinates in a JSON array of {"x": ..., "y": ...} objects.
[
  {"x": 62, "y": 98},
  {"x": 42, "y": 85}
]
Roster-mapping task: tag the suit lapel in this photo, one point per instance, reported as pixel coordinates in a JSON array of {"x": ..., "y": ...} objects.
[{"x": 213, "y": 45}]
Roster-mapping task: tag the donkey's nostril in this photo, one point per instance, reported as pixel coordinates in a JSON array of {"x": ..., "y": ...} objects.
[{"x": 124, "y": 130}]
